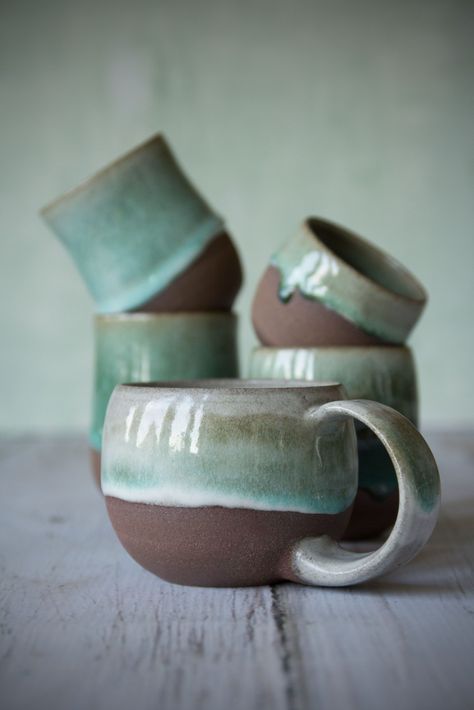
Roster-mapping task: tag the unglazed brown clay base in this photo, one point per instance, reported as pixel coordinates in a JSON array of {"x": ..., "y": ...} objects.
[
  {"x": 371, "y": 515},
  {"x": 301, "y": 322},
  {"x": 216, "y": 546},
  {"x": 95, "y": 464},
  {"x": 210, "y": 283}
]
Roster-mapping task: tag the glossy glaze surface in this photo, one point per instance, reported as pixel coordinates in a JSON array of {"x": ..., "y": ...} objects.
[
  {"x": 347, "y": 274},
  {"x": 385, "y": 374},
  {"x": 134, "y": 226},
  {"x": 140, "y": 347},
  {"x": 236, "y": 445}
]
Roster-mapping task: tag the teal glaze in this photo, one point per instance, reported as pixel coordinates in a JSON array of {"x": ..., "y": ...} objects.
[
  {"x": 141, "y": 347},
  {"x": 352, "y": 277},
  {"x": 384, "y": 374},
  {"x": 380, "y": 373},
  {"x": 133, "y": 227},
  {"x": 233, "y": 444}
]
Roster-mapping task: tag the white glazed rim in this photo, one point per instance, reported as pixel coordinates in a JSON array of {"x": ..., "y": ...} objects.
[{"x": 226, "y": 385}]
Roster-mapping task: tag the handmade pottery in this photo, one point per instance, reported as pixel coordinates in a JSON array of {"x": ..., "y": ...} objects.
[
  {"x": 210, "y": 283},
  {"x": 139, "y": 347},
  {"x": 383, "y": 374},
  {"x": 229, "y": 483},
  {"x": 139, "y": 224},
  {"x": 328, "y": 286}
]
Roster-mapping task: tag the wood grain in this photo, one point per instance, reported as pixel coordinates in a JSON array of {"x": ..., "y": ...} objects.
[{"x": 82, "y": 626}]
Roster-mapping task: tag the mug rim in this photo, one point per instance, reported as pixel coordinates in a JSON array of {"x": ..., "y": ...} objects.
[{"x": 226, "y": 385}]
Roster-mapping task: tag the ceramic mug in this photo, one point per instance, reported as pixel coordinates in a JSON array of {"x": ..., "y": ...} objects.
[
  {"x": 229, "y": 483},
  {"x": 380, "y": 373},
  {"x": 139, "y": 347},
  {"x": 136, "y": 226},
  {"x": 328, "y": 286}
]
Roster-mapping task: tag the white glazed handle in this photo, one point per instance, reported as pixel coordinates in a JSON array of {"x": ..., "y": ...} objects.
[{"x": 321, "y": 561}]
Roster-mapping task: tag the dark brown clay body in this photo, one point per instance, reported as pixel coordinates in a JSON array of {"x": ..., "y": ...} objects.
[
  {"x": 216, "y": 546},
  {"x": 95, "y": 465},
  {"x": 301, "y": 322},
  {"x": 210, "y": 283}
]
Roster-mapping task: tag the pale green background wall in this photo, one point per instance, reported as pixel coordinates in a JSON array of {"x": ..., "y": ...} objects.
[{"x": 358, "y": 111}]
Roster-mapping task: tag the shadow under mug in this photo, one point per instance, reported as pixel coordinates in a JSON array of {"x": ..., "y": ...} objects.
[
  {"x": 234, "y": 482},
  {"x": 134, "y": 226},
  {"x": 140, "y": 347}
]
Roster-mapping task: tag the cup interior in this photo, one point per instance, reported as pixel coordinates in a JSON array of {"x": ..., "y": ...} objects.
[{"x": 367, "y": 260}]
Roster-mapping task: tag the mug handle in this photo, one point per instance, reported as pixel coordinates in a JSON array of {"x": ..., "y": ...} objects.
[{"x": 321, "y": 561}]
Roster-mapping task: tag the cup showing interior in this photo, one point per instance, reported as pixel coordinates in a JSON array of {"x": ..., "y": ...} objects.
[
  {"x": 141, "y": 347},
  {"x": 328, "y": 286},
  {"x": 135, "y": 226},
  {"x": 211, "y": 483}
]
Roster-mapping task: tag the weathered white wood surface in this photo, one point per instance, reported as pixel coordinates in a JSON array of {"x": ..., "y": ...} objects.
[{"x": 82, "y": 627}]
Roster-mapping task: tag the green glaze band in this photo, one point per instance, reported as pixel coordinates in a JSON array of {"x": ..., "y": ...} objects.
[
  {"x": 384, "y": 374},
  {"x": 143, "y": 347},
  {"x": 234, "y": 444},
  {"x": 352, "y": 277},
  {"x": 380, "y": 373},
  {"x": 134, "y": 226}
]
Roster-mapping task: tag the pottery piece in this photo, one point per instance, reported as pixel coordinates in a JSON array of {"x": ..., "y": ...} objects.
[
  {"x": 383, "y": 374},
  {"x": 139, "y": 347},
  {"x": 301, "y": 321},
  {"x": 136, "y": 226},
  {"x": 328, "y": 286},
  {"x": 229, "y": 483},
  {"x": 210, "y": 283}
]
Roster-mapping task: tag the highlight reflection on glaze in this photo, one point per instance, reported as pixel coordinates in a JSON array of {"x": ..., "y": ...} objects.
[
  {"x": 188, "y": 449},
  {"x": 143, "y": 348},
  {"x": 383, "y": 374},
  {"x": 303, "y": 266},
  {"x": 378, "y": 373},
  {"x": 385, "y": 303}
]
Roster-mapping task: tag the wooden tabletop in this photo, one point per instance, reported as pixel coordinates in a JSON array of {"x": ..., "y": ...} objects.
[{"x": 82, "y": 627}]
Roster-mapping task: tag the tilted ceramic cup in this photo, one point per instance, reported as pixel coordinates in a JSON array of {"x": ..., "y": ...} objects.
[
  {"x": 136, "y": 226},
  {"x": 328, "y": 286},
  {"x": 229, "y": 483},
  {"x": 139, "y": 347},
  {"x": 380, "y": 373}
]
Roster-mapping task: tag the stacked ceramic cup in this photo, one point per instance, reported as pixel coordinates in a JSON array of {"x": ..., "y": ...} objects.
[
  {"x": 162, "y": 270},
  {"x": 333, "y": 307}
]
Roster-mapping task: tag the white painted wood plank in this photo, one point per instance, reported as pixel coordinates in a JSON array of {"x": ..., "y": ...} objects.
[{"x": 82, "y": 626}]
